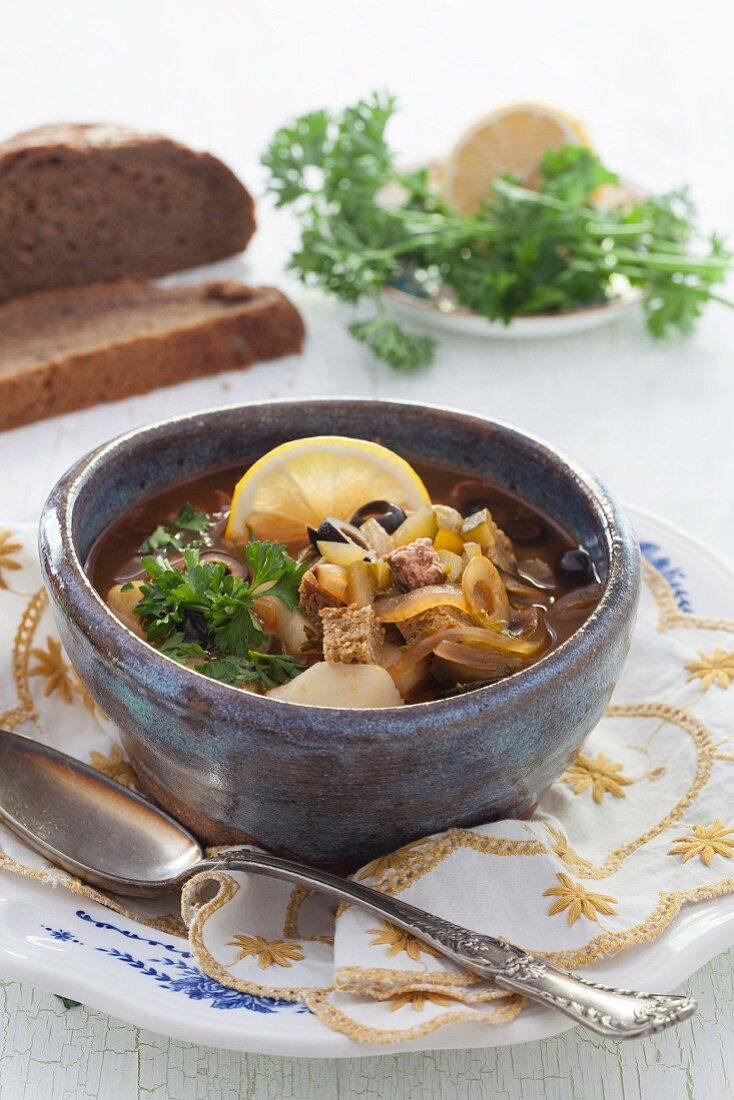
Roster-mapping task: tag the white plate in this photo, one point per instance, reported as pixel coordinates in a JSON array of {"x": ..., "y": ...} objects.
[
  {"x": 411, "y": 307},
  {"x": 56, "y": 941}
]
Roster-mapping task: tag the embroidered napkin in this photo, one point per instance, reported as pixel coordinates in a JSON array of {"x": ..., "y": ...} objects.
[{"x": 639, "y": 824}]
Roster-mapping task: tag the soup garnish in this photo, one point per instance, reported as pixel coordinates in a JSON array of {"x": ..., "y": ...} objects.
[{"x": 352, "y": 602}]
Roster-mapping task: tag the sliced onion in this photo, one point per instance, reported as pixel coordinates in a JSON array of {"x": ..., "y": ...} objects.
[
  {"x": 574, "y": 603},
  {"x": 396, "y": 609},
  {"x": 332, "y": 579},
  {"x": 519, "y": 591},
  {"x": 478, "y": 658},
  {"x": 524, "y": 620},
  {"x": 484, "y": 592},
  {"x": 489, "y": 640}
]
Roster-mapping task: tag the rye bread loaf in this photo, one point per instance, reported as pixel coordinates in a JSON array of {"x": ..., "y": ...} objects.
[
  {"x": 71, "y": 348},
  {"x": 84, "y": 203}
]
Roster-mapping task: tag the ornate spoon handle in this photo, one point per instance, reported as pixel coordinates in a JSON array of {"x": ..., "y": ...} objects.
[{"x": 615, "y": 1013}]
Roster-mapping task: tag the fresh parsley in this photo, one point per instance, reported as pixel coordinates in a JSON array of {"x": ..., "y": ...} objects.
[
  {"x": 365, "y": 225},
  {"x": 203, "y": 599},
  {"x": 177, "y": 534}
]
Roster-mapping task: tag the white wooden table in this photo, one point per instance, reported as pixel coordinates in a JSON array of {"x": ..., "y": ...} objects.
[{"x": 653, "y": 420}]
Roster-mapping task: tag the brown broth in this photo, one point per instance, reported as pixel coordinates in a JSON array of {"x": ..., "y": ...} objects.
[{"x": 536, "y": 536}]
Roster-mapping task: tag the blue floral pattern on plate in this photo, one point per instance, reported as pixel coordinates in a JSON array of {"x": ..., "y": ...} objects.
[
  {"x": 674, "y": 575},
  {"x": 176, "y": 971}
]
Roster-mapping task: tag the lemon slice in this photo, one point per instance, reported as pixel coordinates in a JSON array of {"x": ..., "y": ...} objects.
[
  {"x": 299, "y": 483},
  {"x": 511, "y": 139}
]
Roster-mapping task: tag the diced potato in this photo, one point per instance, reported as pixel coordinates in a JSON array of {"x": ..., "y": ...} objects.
[
  {"x": 448, "y": 540},
  {"x": 420, "y": 524},
  {"x": 123, "y": 603},
  {"x": 341, "y": 553},
  {"x": 352, "y": 686}
]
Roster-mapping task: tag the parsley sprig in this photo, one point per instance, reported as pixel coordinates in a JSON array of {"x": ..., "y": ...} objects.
[
  {"x": 202, "y": 598},
  {"x": 525, "y": 251},
  {"x": 177, "y": 533}
]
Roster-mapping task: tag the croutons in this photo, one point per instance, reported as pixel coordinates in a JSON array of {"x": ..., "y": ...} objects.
[
  {"x": 416, "y": 565},
  {"x": 433, "y": 620},
  {"x": 352, "y": 635}
]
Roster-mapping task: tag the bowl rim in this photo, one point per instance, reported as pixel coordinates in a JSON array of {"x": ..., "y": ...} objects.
[{"x": 55, "y": 529}]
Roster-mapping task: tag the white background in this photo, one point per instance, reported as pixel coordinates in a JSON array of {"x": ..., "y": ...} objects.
[{"x": 653, "y": 83}]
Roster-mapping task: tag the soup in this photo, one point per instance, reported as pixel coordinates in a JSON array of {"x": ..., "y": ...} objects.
[{"x": 384, "y": 606}]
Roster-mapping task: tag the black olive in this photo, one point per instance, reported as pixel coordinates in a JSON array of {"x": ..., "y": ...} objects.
[
  {"x": 195, "y": 628},
  {"x": 388, "y": 515},
  {"x": 576, "y": 563},
  {"x": 336, "y": 530},
  {"x": 233, "y": 565}
]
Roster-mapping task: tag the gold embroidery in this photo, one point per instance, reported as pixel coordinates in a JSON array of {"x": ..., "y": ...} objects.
[
  {"x": 24, "y": 709},
  {"x": 268, "y": 952},
  {"x": 9, "y": 551},
  {"x": 53, "y": 668},
  {"x": 398, "y": 860},
  {"x": 602, "y": 775},
  {"x": 397, "y": 940},
  {"x": 316, "y": 1000},
  {"x": 562, "y": 848},
  {"x": 59, "y": 675},
  {"x": 705, "y": 841},
  {"x": 114, "y": 766},
  {"x": 670, "y": 616},
  {"x": 418, "y": 999},
  {"x": 196, "y": 915},
  {"x": 712, "y": 668},
  {"x": 578, "y": 900}
]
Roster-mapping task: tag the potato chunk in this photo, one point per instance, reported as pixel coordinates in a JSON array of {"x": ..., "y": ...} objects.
[
  {"x": 123, "y": 604},
  {"x": 354, "y": 686}
]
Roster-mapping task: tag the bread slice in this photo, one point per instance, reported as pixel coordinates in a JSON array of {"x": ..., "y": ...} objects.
[
  {"x": 84, "y": 203},
  {"x": 68, "y": 349}
]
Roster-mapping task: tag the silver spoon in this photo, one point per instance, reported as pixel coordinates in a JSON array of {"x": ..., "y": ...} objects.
[{"x": 103, "y": 833}]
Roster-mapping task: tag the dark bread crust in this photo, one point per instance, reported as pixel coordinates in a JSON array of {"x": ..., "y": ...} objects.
[
  {"x": 161, "y": 336},
  {"x": 80, "y": 203}
]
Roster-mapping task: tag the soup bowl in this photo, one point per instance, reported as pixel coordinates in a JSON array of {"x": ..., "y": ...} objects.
[{"x": 332, "y": 786}]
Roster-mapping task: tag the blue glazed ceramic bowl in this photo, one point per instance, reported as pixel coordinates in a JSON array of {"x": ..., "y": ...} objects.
[{"x": 336, "y": 787}]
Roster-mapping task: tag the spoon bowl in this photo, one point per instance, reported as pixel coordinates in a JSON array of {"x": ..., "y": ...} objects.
[{"x": 88, "y": 824}]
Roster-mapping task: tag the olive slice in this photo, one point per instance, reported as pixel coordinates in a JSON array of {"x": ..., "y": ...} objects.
[
  {"x": 388, "y": 515},
  {"x": 336, "y": 530},
  {"x": 233, "y": 565}
]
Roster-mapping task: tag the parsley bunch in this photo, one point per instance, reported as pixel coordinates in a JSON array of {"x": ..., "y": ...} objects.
[
  {"x": 201, "y": 614},
  {"x": 524, "y": 251}
]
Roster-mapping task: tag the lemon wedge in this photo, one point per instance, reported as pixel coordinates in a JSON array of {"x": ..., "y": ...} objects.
[
  {"x": 511, "y": 139},
  {"x": 296, "y": 485}
]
